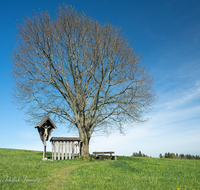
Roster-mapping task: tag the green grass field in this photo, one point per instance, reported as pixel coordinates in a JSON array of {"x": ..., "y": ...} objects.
[{"x": 123, "y": 173}]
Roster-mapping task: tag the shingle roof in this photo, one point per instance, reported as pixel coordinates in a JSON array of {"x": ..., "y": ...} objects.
[
  {"x": 47, "y": 118},
  {"x": 65, "y": 139}
]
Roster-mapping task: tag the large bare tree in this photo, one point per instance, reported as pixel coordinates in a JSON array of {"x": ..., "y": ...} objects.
[{"x": 81, "y": 71}]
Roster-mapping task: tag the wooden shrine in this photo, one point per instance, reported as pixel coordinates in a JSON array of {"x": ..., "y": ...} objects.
[
  {"x": 65, "y": 147},
  {"x": 45, "y": 128}
]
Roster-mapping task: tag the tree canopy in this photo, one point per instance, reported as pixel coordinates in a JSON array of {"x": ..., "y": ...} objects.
[{"x": 80, "y": 71}]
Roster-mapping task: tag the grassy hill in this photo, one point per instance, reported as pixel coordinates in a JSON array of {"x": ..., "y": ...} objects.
[{"x": 26, "y": 170}]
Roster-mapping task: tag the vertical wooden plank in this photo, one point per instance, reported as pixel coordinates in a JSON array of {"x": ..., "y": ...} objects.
[
  {"x": 72, "y": 149},
  {"x": 69, "y": 149},
  {"x": 55, "y": 143},
  {"x": 52, "y": 149},
  {"x": 62, "y": 151},
  {"x": 66, "y": 149},
  {"x": 78, "y": 144},
  {"x": 58, "y": 150},
  {"x": 76, "y": 149},
  {"x": 80, "y": 149}
]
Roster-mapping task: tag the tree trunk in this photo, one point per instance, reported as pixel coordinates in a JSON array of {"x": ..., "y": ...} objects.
[{"x": 85, "y": 144}]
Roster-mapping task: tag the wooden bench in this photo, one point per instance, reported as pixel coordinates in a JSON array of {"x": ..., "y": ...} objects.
[{"x": 100, "y": 156}]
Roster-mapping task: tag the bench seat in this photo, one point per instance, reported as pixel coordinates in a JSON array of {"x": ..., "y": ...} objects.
[{"x": 99, "y": 155}]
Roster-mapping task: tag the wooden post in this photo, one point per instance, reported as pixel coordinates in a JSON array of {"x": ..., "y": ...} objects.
[
  {"x": 76, "y": 149},
  {"x": 72, "y": 149},
  {"x": 66, "y": 144},
  {"x": 44, "y": 152},
  {"x": 62, "y": 150},
  {"x": 55, "y": 143},
  {"x": 69, "y": 149},
  {"x": 58, "y": 150},
  {"x": 80, "y": 152},
  {"x": 52, "y": 149}
]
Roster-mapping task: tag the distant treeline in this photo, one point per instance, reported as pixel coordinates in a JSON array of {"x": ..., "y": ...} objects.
[
  {"x": 180, "y": 156},
  {"x": 140, "y": 154}
]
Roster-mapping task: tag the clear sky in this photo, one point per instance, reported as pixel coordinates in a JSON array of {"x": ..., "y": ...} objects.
[{"x": 167, "y": 31}]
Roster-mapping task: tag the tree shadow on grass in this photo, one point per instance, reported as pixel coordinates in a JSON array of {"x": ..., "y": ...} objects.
[
  {"x": 132, "y": 158},
  {"x": 48, "y": 154},
  {"x": 124, "y": 166}
]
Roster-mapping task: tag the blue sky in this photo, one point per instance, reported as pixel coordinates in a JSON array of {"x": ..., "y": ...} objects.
[{"x": 169, "y": 34}]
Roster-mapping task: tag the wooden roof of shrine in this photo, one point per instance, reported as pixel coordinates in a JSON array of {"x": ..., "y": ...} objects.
[{"x": 47, "y": 121}]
